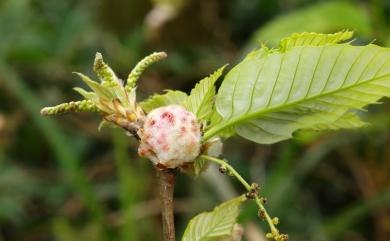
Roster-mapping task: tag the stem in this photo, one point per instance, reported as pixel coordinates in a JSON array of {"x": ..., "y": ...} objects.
[
  {"x": 166, "y": 180},
  {"x": 124, "y": 123},
  {"x": 248, "y": 187}
]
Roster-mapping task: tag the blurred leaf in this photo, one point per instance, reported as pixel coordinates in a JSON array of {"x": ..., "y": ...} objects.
[
  {"x": 322, "y": 17},
  {"x": 130, "y": 186},
  {"x": 63, "y": 231},
  {"x": 75, "y": 25},
  {"x": 343, "y": 220},
  {"x": 14, "y": 192},
  {"x": 66, "y": 154}
]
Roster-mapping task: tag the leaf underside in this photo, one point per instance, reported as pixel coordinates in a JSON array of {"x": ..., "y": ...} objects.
[
  {"x": 214, "y": 225},
  {"x": 273, "y": 93}
]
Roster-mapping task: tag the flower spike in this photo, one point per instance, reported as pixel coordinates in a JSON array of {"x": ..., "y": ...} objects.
[
  {"x": 104, "y": 72},
  {"x": 109, "y": 97},
  {"x": 141, "y": 66},
  {"x": 73, "y": 106}
]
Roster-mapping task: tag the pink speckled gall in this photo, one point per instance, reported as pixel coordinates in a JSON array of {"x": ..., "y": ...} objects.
[{"x": 171, "y": 136}]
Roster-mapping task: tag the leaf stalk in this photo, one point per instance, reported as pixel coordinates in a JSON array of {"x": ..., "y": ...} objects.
[{"x": 275, "y": 232}]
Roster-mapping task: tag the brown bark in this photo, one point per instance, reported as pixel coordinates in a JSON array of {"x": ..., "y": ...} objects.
[{"x": 166, "y": 179}]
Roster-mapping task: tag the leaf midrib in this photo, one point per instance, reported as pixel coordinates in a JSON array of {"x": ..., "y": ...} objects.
[
  {"x": 209, "y": 91},
  {"x": 239, "y": 119},
  {"x": 205, "y": 237}
]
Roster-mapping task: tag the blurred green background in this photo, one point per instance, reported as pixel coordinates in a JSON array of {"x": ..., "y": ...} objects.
[{"x": 61, "y": 179}]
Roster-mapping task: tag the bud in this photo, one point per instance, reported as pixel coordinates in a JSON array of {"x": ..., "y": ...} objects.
[
  {"x": 213, "y": 147},
  {"x": 255, "y": 187},
  {"x": 250, "y": 195},
  {"x": 261, "y": 214},
  {"x": 269, "y": 236},
  {"x": 275, "y": 220},
  {"x": 222, "y": 169},
  {"x": 171, "y": 136},
  {"x": 282, "y": 237}
]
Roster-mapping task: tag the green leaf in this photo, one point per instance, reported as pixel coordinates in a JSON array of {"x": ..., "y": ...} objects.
[
  {"x": 169, "y": 98},
  {"x": 266, "y": 99},
  {"x": 325, "y": 17},
  {"x": 200, "y": 102},
  {"x": 214, "y": 225},
  {"x": 313, "y": 39}
]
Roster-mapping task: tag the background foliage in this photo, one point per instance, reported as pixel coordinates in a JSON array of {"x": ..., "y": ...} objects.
[{"x": 61, "y": 179}]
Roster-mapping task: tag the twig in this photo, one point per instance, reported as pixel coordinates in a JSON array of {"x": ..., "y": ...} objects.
[{"x": 166, "y": 179}]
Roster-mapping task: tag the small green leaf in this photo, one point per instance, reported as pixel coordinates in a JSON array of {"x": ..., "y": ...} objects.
[
  {"x": 214, "y": 225},
  {"x": 100, "y": 90},
  {"x": 169, "y": 98},
  {"x": 86, "y": 94},
  {"x": 200, "y": 102}
]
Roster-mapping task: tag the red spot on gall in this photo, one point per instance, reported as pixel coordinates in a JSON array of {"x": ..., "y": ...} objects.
[
  {"x": 152, "y": 122},
  {"x": 169, "y": 116}
]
